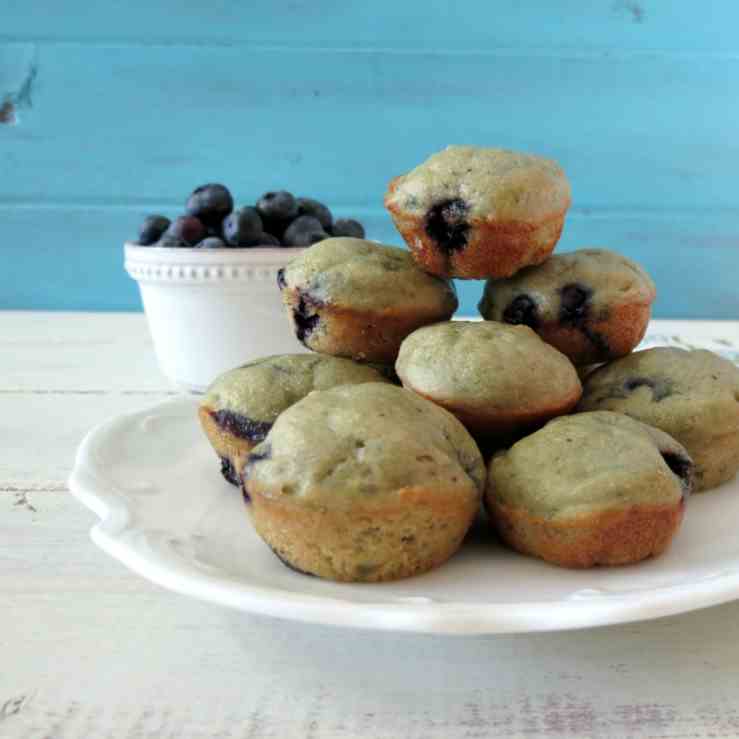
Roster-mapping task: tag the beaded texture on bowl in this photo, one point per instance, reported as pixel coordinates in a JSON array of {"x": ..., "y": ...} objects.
[{"x": 211, "y": 310}]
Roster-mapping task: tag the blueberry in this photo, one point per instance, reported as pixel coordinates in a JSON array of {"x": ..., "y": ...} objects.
[
  {"x": 574, "y": 310},
  {"x": 348, "y": 227},
  {"x": 304, "y": 231},
  {"x": 187, "y": 229},
  {"x": 152, "y": 229},
  {"x": 446, "y": 224},
  {"x": 275, "y": 228},
  {"x": 522, "y": 310},
  {"x": 212, "y": 242},
  {"x": 241, "y": 426},
  {"x": 636, "y": 382},
  {"x": 308, "y": 238},
  {"x": 661, "y": 387},
  {"x": 242, "y": 226},
  {"x": 210, "y": 203},
  {"x": 310, "y": 207},
  {"x": 172, "y": 242},
  {"x": 264, "y": 239},
  {"x": 574, "y": 304},
  {"x": 229, "y": 473},
  {"x": 682, "y": 467},
  {"x": 305, "y": 317},
  {"x": 277, "y": 206}
]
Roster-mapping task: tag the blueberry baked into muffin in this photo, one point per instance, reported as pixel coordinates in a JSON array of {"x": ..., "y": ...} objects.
[
  {"x": 590, "y": 489},
  {"x": 592, "y": 304},
  {"x": 241, "y": 405},
  {"x": 473, "y": 212},
  {"x": 693, "y": 395},
  {"x": 354, "y": 298},
  {"x": 500, "y": 381},
  {"x": 364, "y": 483}
]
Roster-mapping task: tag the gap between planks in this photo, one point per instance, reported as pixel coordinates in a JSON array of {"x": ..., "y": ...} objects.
[
  {"x": 21, "y": 491},
  {"x": 408, "y": 48},
  {"x": 142, "y": 393},
  {"x": 362, "y": 210}
]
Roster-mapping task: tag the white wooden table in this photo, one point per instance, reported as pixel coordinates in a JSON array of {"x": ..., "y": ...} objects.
[{"x": 87, "y": 649}]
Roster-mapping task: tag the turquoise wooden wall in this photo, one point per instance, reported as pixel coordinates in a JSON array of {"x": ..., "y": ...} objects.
[{"x": 121, "y": 108}]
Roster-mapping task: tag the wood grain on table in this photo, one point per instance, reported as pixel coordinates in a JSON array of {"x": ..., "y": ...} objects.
[{"x": 88, "y": 649}]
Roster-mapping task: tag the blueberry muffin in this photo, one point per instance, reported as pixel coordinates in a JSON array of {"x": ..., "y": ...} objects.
[
  {"x": 590, "y": 489},
  {"x": 240, "y": 407},
  {"x": 592, "y": 304},
  {"x": 693, "y": 395},
  {"x": 354, "y": 298},
  {"x": 364, "y": 483},
  {"x": 473, "y": 212},
  {"x": 499, "y": 380}
]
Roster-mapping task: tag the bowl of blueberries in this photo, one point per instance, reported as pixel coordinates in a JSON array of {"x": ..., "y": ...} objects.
[{"x": 208, "y": 278}]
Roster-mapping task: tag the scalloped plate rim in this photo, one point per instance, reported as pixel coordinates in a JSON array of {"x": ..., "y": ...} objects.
[{"x": 98, "y": 494}]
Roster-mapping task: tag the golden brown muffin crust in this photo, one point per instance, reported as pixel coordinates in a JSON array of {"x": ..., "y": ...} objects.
[
  {"x": 589, "y": 489},
  {"x": 691, "y": 394},
  {"x": 591, "y": 304},
  {"x": 494, "y": 377},
  {"x": 472, "y": 212},
  {"x": 365, "y": 483}
]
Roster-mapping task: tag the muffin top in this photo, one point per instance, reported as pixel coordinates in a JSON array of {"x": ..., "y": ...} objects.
[
  {"x": 494, "y": 184},
  {"x": 374, "y": 442},
  {"x": 367, "y": 276},
  {"x": 262, "y": 389},
  {"x": 690, "y": 393},
  {"x": 590, "y": 462},
  {"x": 488, "y": 364},
  {"x": 563, "y": 284}
]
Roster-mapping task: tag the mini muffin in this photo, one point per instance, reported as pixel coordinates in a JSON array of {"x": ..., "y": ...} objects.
[
  {"x": 592, "y": 304},
  {"x": 364, "y": 483},
  {"x": 355, "y": 298},
  {"x": 590, "y": 489},
  {"x": 693, "y": 395},
  {"x": 499, "y": 380},
  {"x": 473, "y": 212},
  {"x": 241, "y": 405}
]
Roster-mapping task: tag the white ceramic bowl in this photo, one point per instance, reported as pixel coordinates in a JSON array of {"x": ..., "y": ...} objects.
[{"x": 211, "y": 310}]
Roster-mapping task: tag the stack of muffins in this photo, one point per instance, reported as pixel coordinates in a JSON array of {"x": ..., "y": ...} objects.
[{"x": 582, "y": 452}]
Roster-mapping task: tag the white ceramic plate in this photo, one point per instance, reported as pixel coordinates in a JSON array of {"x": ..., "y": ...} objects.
[{"x": 166, "y": 513}]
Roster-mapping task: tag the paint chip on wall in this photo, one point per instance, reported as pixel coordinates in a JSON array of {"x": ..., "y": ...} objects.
[
  {"x": 19, "y": 98},
  {"x": 632, "y": 8},
  {"x": 7, "y": 113}
]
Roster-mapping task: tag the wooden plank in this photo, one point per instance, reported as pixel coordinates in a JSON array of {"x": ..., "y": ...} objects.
[
  {"x": 49, "y": 354},
  {"x": 40, "y": 433},
  {"x": 65, "y": 373},
  {"x": 62, "y": 375},
  {"x": 680, "y": 24},
  {"x": 73, "y": 259},
  {"x": 631, "y": 131},
  {"x": 78, "y": 354},
  {"x": 91, "y": 650}
]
